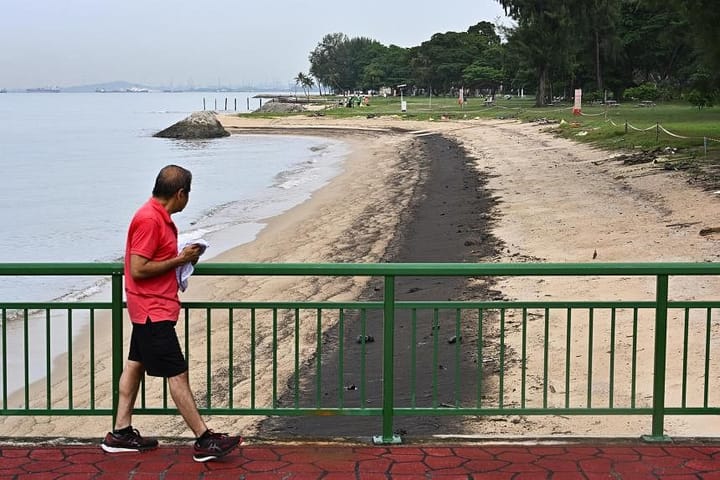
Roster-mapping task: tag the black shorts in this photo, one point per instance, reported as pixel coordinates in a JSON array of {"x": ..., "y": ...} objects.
[{"x": 156, "y": 346}]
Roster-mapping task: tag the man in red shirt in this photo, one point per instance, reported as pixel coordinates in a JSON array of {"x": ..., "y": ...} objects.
[{"x": 151, "y": 258}]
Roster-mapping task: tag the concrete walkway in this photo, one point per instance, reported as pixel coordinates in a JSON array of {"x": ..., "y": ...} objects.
[{"x": 309, "y": 461}]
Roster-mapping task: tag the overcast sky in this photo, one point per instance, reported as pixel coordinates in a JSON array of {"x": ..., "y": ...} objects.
[{"x": 182, "y": 42}]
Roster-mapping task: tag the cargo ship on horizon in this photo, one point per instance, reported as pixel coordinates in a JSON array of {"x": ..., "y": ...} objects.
[{"x": 43, "y": 90}]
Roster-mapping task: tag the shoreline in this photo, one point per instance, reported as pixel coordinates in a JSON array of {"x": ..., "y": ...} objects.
[
  {"x": 554, "y": 201},
  {"x": 314, "y": 219},
  {"x": 221, "y": 241}
]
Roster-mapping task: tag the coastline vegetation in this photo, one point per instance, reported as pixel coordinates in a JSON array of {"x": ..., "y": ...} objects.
[
  {"x": 648, "y": 73},
  {"x": 601, "y": 125},
  {"x": 596, "y": 119}
]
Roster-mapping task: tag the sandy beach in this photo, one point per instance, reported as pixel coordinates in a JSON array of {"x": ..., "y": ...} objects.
[{"x": 455, "y": 191}]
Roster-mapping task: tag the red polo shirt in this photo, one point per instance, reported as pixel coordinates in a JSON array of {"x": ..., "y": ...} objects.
[{"x": 153, "y": 235}]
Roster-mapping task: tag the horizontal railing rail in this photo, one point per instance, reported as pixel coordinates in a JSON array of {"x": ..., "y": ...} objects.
[
  {"x": 381, "y": 269},
  {"x": 360, "y": 357}
]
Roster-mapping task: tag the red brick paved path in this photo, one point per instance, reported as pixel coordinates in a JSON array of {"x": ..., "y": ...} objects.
[{"x": 352, "y": 461}]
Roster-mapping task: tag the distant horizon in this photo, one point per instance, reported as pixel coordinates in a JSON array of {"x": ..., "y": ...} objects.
[
  {"x": 124, "y": 84},
  {"x": 169, "y": 43}
]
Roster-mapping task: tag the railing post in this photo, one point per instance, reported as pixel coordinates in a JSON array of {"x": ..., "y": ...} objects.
[
  {"x": 659, "y": 369},
  {"x": 117, "y": 339},
  {"x": 387, "y": 436}
]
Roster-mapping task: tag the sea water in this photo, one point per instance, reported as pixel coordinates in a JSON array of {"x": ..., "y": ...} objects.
[{"x": 76, "y": 166}]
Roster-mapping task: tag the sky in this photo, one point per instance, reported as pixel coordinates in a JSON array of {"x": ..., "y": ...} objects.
[{"x": 203, "y": 43}]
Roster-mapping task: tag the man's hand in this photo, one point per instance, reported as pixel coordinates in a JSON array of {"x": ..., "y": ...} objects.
[
  {"x": 191, "y": 253},
  {"x": 141, "y": 267}
]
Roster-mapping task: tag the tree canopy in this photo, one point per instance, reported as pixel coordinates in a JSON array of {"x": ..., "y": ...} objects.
[{"x": 553, "y": 47}]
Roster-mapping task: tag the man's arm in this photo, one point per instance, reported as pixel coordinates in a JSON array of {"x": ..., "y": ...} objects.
[{"x": 141, "y": 267}]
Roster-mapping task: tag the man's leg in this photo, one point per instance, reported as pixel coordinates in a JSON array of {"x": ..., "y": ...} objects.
[
  {"x": 185, "y": 403},
  {"x": 129, "y": 386},
  {"x": 209, "y": 445},
  {"x": 125, "y": 438}
]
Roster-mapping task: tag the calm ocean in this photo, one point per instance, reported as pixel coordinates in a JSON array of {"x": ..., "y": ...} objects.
[{"x": 77, "y": 165}]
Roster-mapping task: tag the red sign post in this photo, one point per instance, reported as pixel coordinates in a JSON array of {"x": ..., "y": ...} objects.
[{"x": 577, "y": 107}]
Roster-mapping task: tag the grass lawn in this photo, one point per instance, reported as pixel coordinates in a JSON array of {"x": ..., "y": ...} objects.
[{"x": 627, "y": 125}]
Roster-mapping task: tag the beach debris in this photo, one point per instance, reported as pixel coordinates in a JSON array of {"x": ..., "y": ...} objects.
[
  {"x": 280, "y": 105},
  {"x": 681, "y": 224},
  {"x": 709, "y": 231},
  {"x": 365, "y": 339},
  {"x": 454, "y": 339},
  {"x": 351, "y": 387},
  {"x": 198, "y": 125},
  {"x": 645, "y": 156},
  {"x": 594, "y": 254}
]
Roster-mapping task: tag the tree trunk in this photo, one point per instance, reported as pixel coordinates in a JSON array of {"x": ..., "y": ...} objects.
[
  {"x": 598, "y": 69},
  {"x": 541, "y": 95}
]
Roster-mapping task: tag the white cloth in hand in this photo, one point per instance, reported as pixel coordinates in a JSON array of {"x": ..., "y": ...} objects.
[{"x": 184, "y": 271}]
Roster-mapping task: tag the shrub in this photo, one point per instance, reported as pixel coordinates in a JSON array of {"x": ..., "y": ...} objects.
[
  {"x": 700, "y": 99},
  {"x": 593, "y": 96},
  {"x": 646, "y": 91}
]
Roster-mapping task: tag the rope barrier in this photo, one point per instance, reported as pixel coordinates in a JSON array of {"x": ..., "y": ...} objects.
[
  {"x": 656, "y": 127},
  {"x": 673, "y": 134},
  {"x": 640, "y": 129}
]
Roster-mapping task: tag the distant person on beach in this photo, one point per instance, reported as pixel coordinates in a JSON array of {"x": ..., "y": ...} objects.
[{"x": 151, "y": 286}]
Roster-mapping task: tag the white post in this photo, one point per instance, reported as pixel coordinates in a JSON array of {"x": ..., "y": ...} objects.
[{"x": 403, "y": 106}]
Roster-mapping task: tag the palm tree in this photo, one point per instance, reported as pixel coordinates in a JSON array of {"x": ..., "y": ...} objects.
[
  {"x": 299, "y": 80},
  {"x": 306, "y": 82}
]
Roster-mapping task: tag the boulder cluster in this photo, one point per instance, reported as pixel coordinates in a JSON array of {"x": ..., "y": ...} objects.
[
  {"x": 278, "y": 106},
  {"x": 197, "y": 126}
]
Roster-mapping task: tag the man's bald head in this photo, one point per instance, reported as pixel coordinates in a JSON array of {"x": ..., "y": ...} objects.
[{"x": 171, "y": 179}]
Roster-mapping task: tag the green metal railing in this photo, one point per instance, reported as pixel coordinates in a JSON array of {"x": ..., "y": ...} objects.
[{"x": 361, "y": 357}]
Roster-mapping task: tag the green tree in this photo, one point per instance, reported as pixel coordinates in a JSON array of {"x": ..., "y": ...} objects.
[
  {"x": 544, "y": 36},
  {"x": 390, "y": 66},
  {"x": 704, "y": 89},
  {"x": 485, "y": 32},
  {"x": 440, "y": 63},
  {"x": 306, "y": 82},
  {"x": 655, "y": 43},
  {"x": 601, "y": 19},
  {"x": 339, "y": 61},
  {"x": 478, "y": 75},
  {"x": 703, "y": 19},
  {"x": 325, "y": 57}
]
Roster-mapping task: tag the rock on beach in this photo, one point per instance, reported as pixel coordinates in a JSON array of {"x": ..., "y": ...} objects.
[{"x": 197, "y": 126}]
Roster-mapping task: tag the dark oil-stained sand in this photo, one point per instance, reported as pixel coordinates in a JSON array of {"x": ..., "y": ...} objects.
[{"x": 449, "y": 221}]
